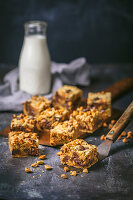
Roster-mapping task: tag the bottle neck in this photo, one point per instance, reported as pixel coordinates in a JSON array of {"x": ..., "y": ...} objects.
[{"x": 35, "y": 28}]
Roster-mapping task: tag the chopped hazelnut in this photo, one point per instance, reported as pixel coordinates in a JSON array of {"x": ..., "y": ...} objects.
[
  {"x": 58, "y": 153},
  {"x": 40, "y": 162},
  {"x": 66, "y": 169},
  {"x": 102, "y": 137},
  {"x": 34, "y": 165},
  {"x": 48, "y": 167},
  {"x": 85, "y": 170},
  {"x": 125, "y": 140},
  {"x": 42, "y": 157},
  {"x": 63, "y": 176},
  {"x": 112, "y": 121},
  {"x": 123, "y": 133},
  {"x": 105, "y": 124},
  {"x": 73, "y": 173},
  {"x": 28, "y": 170}
]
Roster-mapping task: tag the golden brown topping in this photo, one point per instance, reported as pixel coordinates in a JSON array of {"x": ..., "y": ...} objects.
[
  {"x": 73, "y": 173},
  {"x": 102, "y": 137},
  {"x": 66, "y": 169},
  {"x": 125, "y": 140},
  {"x": 40, "y": 162},
  {"x": 105, "y": 124},
  {"x": 112, "y": 121},
  {"x": 28, "y": 170},
  {"x": 63, "y": 176},
  {"x": 85, "y": 170},
  {"x": 123, "y": 133},
  {"x": 34, "y": 165},
  {"x": 58, "y": 153},
  {"x": 48, "y": 167},
  {"x": 42, "y": 157}
]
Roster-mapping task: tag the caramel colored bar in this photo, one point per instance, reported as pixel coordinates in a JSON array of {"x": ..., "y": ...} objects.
[
  {"x": 36, "y": 105},
  {"x": 79, "y": 154},
  {"x": 23, "y": 144}
]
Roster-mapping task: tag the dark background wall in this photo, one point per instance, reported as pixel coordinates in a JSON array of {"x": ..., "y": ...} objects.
[{"x": 100, "y": 30}]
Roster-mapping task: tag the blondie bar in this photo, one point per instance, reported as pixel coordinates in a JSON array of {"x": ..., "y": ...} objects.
[
  {"x": 100, "y": 101},
  {"x": 23, "y": 123},
  {"x": 23, "y": 144},
  {"x": 36, "y": 105},
  {"x": 50, "y": 118},
  {"x": 64, "y": 132},
  {"x": 67, "y": 96},
  {"x": 88, "y": 120},
  {"x": 79, "y": 154}
]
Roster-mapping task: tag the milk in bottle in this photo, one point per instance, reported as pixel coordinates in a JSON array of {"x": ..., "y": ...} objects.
[{"x": 34, "y": 63}]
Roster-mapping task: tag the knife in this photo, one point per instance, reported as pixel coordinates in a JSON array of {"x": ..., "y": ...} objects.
[{"x": 104, "y": 148}]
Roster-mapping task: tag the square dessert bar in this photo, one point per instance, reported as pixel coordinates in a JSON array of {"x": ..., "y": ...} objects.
[
  {"x": 23, "y": 144},
  {"x": 64, "y": 132},
  {"x": 50, "y": 118},
  {"x": 79, "y": 154},
  {"x": 23, "y": 123},
  {"x": 36, "y": 105},
  {"x": 88, "y": 120},
  {"x": 67, "y": 96},
  {"x": 100, "y": 101}
]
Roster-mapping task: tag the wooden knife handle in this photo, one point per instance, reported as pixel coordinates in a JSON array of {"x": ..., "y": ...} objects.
[
  {"x": 120, "y": 87},
  {"x": 120, "y": 124}
]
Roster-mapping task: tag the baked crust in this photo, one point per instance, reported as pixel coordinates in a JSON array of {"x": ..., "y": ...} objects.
[
  {"x": 101, "y": 101},
  {"x": 79, "y": 154},
  {"x": 67, "y": 96},
  {"x": 23, "y": 123},
  {"x": 23, "y": 144},
  {"x": 50, "y": 117},
  {"x": 64, "y": 132},
  {"x": 36, "y": 105}
]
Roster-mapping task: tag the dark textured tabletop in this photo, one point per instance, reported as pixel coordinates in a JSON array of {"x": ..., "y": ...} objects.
[{"x": 110, "y": 179}]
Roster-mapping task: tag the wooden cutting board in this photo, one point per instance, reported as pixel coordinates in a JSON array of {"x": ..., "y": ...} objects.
[{"x": 117, "y": 89}]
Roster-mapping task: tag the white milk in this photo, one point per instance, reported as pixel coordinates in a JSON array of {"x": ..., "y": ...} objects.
[{"x": 34, "y": 65}]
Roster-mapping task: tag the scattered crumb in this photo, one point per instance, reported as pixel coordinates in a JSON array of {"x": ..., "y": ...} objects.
[
  {"x": 42, "y": 171},
  {"x": 125, "y": 140},
  {"x": 85, "y": 170},
  {"x": 28, "y": 170},
  {"x": 40, "y": 162},
  {"x": 34, "y": 165},
  {"x": 123, "y": 133},
  {"x": 129, "y": 134},
  {"x": 58, "y": 153},
  {"x": 110, "y": 126},
  {"x": 105, "y": 124},
  {"x": 102, "y": 137},
  {"x": 63, "y": 176},
  {"x": 73, "y": 173},
  {"x": 112, "y": 121},
  {"x": 48, "y": 167},
  {"x": 42, "y": 157},
  {"x": 33, "y": 176},
  {"x": 40, "y": 175},
  {"x": 66, "y": 169}
]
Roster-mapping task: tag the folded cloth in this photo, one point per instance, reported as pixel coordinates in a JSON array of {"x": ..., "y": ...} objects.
[{"x": 76, "y": 72}]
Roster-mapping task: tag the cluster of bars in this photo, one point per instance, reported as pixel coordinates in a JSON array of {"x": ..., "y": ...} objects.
[{"x": 65, "y": 117}]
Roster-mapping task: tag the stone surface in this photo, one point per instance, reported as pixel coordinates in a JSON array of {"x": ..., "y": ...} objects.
[{"x": 110, "y": 179}]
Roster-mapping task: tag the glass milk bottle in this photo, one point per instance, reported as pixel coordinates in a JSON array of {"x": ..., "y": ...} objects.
[{"x": 34, "y": 62}]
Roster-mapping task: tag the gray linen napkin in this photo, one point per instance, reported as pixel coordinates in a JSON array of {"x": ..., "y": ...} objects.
[{"x": 76, "y": 72}]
